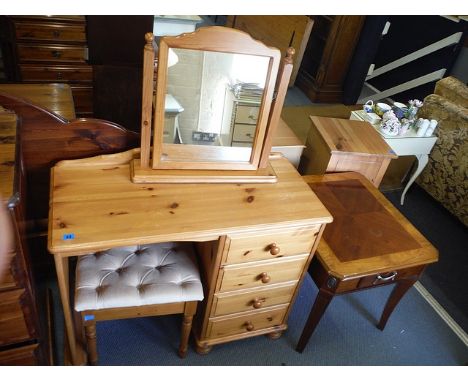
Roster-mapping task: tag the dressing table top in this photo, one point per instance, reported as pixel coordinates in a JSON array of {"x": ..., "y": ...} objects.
[{"x": 94, "y": 206}]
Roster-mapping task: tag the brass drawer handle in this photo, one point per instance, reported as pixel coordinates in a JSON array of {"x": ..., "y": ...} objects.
[
  {"x": 390, "y": 277},
  {"x": 274, "y": 249},
  {"x": 264, "y": 277},
  {"x": 249, "y": 326},
  {"x": 257, "y": 303}
]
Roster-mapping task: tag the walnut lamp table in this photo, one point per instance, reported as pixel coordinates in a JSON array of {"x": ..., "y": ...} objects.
[{"x": 369, "y": 244}]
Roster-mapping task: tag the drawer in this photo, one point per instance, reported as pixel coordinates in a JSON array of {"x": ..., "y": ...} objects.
[
  {"x": 22, "y": 356},
  {"x": 247, "y": 114},
  {"x": 55, "y": 53},
  {"x": 50, "y": 32},
  {"x": 263, "y": 273},
  {"x": 248, "y": 323},
  {"x": 253, "y": 300},
  {"x": 13, "y": 326},
  {"x": 243, "y": 133},
  {"x": 33, "y": 73},
  {"x": 379, "y": 279},
  {"x": 7, "y": 280},
  {"x": 280, "y": 243}
]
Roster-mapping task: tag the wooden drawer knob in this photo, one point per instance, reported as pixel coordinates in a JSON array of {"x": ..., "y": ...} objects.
[
  {"x": 264, "y": 277},
  {"x": 249, "y": 326},
  {"x": 56, "y": 54},
  {"x": 257, "y": 303},
  {"x": 56, "y": 34},
  {"x": 274, "y": 249}
]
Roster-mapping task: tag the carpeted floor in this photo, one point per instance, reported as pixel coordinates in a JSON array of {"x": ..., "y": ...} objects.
[{"x": 415, "y": 335}]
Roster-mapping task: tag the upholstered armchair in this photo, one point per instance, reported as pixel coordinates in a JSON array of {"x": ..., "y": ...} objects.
[{"x": 446, "y": 175}]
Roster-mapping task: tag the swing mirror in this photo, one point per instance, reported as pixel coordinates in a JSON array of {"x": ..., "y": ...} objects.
[
  {"x": 213, "y": 98},
  {"x": 217, "y": 102}
]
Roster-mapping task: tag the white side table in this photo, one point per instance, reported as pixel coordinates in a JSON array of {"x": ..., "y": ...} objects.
[
  {"x": 405, "y": 145},
  {"x": 172, "y": 109}
]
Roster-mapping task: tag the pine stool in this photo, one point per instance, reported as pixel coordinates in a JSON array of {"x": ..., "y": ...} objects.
[
  {"x": 137, "y": 281},
  {"x": 368, "y": 244}
]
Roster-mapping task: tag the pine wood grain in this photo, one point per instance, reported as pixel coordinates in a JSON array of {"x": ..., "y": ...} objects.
[{"x": 103, "y": 208}]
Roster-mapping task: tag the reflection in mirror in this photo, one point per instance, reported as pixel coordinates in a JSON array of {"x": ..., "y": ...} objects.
[{"x": 214, "y": 98}]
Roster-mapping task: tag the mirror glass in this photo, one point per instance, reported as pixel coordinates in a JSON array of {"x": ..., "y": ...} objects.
[{"x": 214, "y": 99}]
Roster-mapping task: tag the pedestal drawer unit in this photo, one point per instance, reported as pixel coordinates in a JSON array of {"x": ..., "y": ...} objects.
[{"x": 251, "y": 290}]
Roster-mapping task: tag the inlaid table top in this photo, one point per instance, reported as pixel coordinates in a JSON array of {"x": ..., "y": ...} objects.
[{"x": 368, "y": 234}]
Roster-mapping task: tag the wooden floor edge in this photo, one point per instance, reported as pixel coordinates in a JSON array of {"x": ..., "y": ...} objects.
[{"x": 442, "y": 313}]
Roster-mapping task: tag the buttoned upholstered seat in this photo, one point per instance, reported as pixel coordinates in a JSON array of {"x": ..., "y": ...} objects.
[{"x": 140, "y": 280}]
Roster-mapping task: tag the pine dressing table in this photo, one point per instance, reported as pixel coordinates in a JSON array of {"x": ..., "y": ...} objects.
[{"x": 254, "y": 241}]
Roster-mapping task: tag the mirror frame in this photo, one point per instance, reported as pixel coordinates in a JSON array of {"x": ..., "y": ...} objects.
[{"x": 213, "y": 39}]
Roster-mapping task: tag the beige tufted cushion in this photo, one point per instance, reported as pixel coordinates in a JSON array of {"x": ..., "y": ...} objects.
[{"x": 136, "y": 276}]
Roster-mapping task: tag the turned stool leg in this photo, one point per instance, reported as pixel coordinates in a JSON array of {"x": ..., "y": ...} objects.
[
  {"x": 184, "y": 337},
  {"x": 318, "y": 309},
  {"x": 400, "y": 289},
  {"x": 190, "y": 309},
  {"x": 90, "y": 332}
]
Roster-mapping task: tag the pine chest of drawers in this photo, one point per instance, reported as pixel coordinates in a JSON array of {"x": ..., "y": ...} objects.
[{"x": 253, "y": 287}]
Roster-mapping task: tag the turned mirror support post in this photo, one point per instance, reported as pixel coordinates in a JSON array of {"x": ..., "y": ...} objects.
[
  {"x": 147, "y": 99},
  {"x": 281, "y": 87}
]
